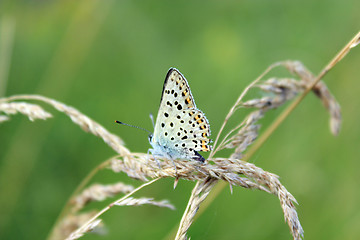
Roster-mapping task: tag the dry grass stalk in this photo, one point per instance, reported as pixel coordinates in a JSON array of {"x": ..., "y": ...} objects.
[
  {"x": 231, "y": 170},
  {"x": 75, "y": 226},
  {"x": 321, "y": 91},
  {"x": 99, "y": 192},
  {"x": 236, "y": 106},
  {"x": 73, "y": 222},
  {"x": 32, "y": 111},
  {"x": 198, "y": 195},
  {"x": 141, "y": 201},
  {"x": 94, "y": 220},
  {"x": 88, "y": 228},
  {"x": 281, "y": 90},
  {"x": 146, "y": 167},
  {"x": 288, "y": 208},
  {"x": 143, "y": 166},
  {"x": 77, "y": 117},
  {"x": 354, "y": 42},
  {"x": 342, "y": 53}
]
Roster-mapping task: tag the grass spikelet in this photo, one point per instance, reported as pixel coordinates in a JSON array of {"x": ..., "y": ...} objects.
[
  {"x": 86, "y": 123},
  {"x": 88, "y": 228},
  {"x": 32, "y": 111},
  {"x": 321, "y": 91},
  {"x": 94, "y": 220},
  {"x": 282, "y": 90},
  {"x": 99, "y": 192},
  {"x": 73, "y": 222},
  {"x": 198, "y": 195}
]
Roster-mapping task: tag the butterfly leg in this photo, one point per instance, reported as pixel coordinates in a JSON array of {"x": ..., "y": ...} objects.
[
  {"x": 174, "y": 167},
  {"x": 156, "y": 160}
]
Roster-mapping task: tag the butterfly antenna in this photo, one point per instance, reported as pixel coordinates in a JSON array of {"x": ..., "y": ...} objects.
[
  {"x": 134, "y": 126},
  {"x": 152, "y": 120}
]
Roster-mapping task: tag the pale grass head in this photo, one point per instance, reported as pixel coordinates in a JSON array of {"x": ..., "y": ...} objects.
[{"x": 32, "y": 111}]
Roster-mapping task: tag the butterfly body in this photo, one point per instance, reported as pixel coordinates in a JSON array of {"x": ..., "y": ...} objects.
[{"x": 181, "y": 130}]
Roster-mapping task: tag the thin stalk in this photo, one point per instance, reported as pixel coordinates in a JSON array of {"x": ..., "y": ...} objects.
[
  {"x": 187, "y": 209},
  {"x": 233, "y": 108},
  {"x": 221, "y": 185},
  {"x": 293, "y": 105},
  {"x": 114, "y": 203}
]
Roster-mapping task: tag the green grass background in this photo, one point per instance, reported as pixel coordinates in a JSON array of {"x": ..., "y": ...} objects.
[{"x": 109, "y": 58}]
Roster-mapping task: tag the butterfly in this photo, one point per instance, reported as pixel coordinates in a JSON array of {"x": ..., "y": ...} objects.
[{"x": 181, "y": 130}]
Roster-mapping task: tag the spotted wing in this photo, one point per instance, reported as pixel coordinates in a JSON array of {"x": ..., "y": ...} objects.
[{"x": 180, "y": 126}]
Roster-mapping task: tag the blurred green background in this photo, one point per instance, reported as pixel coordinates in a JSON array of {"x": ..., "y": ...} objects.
[{"x": 109, "y": 58}]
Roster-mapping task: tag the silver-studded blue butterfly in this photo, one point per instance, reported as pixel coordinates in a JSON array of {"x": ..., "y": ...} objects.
[{"x": 181, "y": 130}]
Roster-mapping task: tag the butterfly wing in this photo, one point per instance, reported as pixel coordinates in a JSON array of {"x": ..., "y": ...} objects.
[{"x": 181, "y": 129}]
